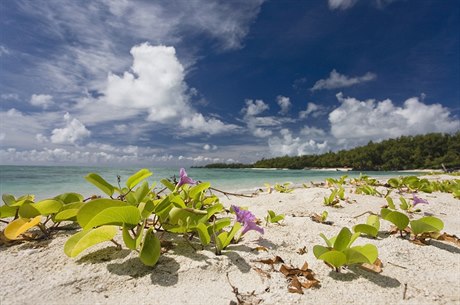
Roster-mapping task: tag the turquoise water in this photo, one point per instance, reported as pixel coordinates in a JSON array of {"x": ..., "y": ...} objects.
[{"x": 49, "y": 181}]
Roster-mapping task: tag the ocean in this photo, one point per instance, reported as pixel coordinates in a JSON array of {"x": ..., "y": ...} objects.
[{"x": 49, "y": 181}]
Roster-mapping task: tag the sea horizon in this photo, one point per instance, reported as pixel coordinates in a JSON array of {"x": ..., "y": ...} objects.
[{"x": 46, "y": 181}]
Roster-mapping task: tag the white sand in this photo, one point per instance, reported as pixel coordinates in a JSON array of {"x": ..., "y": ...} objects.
[{"x": 40, "y": 273}]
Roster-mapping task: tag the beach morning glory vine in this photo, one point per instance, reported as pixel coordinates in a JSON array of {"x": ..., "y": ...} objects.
[
  {"x": 247, "y": 219},
  {"x": 184, "y": 179}
]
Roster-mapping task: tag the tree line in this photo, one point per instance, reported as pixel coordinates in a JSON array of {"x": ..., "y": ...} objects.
[{"x": 403, "y": 153}]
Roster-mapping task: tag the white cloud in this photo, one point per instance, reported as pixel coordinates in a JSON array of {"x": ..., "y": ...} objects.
[
  {"x": 337, "y": 80},
  {"x": 250, "y": 111},
  {"x": 197, "y": 124},
  {"x": 254, "y": 107},
  {"x": 4, "y": 51},
  {"x": 294, "y": 146},
  {"x": 312, "y": 132},
  {"x": 313, "y": 109},
  {"x": 284, "y": 103},
  {"x": 2, "y": 136},
  {"x": 156, "y": 84},
  {"x": 346, "y": 4},
  {"x": 41, "y": 100},
  {"x": 341, "y": 4},
  {"x": 209, "y": 147},
  {"x": 20, "y": 129},
  {"x": 356, "y": 122},
  {"x": 105, "y": 28},
  {"x": 73, "y": 132},
  {"x": 9, "y": 96}
]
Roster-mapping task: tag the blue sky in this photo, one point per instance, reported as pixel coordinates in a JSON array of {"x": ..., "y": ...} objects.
[{"x": 194, "y": 82}]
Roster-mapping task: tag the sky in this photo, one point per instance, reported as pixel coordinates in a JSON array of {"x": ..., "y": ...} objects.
[{"x": 192, "y": 82}]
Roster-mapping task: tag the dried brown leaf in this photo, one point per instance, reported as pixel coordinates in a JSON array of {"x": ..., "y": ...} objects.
[
  {"x": 419, "y": 241},
  {"x": 260, "y": 248},
  {"x": 261, "y": 272},
  {"x": 271, "y": 261},
  {"x": 310, "y": 283},
  {"x": 302, "y": 251},
  {"x": 295, "y": 286},
  {"x": 375, "y": 267},
  {"x": 316, "y": 218},
  {"x": 450, "y": 238}
]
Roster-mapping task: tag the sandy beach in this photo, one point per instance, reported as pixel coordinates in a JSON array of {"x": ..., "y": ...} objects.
[{"x": 40, "y": 272}]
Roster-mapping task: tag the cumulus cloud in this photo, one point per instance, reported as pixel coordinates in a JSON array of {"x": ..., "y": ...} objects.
[
  {"x": 337, "y": 80},
  {"x": 104, "y": 28},
  {"x": 73, "y": 132},
  {"x": 284, "y": 103},
  {"x": 357, "y": 122},
  {"x": 156, "y": 85},
  {"x": 341, "y": 4},
  {"x": 313, "y": 109},
  {"x": 286, "y": 144},
  {"x": 209, "y": 147},
  {"x": 312, "y": 132},
  {"x": 250, "y": 111},
  {"x": 41, "y": 100}
]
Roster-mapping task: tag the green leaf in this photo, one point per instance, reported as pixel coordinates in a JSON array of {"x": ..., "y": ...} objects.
[
  {"x": 146, "y": 208},
  {"x": 203, "y": 234},
  {"x": 142, "y": 191},
  {"x": 399, "y": 219},
  {"x": 391, "y": 204},
  {"x": 366, "y": 229},
  {"x": 334, "y": 257},
  {"x": 67, "y": 198},
  {"x": 395, "y": 182},
  {"x": 19, "y": 226},
  {"x": 7, "y": 211},
  {"x": 9, "y": 199},
  {"x": 404, "y": 206},
  {"x": 137, "y": 178},
  {"x": 343, "y": 239},
  {"x": 44, "y": 207},
  {"x": 199, "y": 188},
  {"x": 88, "y": 238},
  {"x": 107, "y": 211},
  {"x": 215, "y": 208},
  {"x": 130, "y": 242},
  {"x": 324, "y": 216},
  {"x": 320, "y": 250},
  {"x": 151, "y": 249},
  {"x": 177, "y": 214},
  {"x": 374, "y": 220},
  {"x": 328, "y": 241},
  {"x": 168, "y": 184},
  {"x": 100, "y": 183},
  {"x": 68, "y": 212},
  {"x": 426, "y": 224},
  {"x": 219, "y": 225},
  {"x": 361, "y": 254}
]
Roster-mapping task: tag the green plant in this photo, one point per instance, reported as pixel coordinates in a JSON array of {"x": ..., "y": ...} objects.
[
  {"x": 336, "y": 182},
  {"x": 24, "y": 213},
  {"x": 140, "y": 213},
  {"x": 283, "y": 188},
  {"x": 339, "y": 251},
  {"x": 367, "y": 190},
  {"x": 332, "y": 199},
  {"x": 370, "y": 228},
  {"x": 272, "y": 217}
]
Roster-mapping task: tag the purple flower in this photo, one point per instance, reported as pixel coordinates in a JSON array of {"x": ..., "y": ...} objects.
[
  {"x": 418, "y": 200},
  {"x": 247, "y": 219},
  {"x": 184, "y": 179}
]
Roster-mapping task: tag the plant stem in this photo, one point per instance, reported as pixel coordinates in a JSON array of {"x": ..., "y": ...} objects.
[
  {"x": 231, "y": 194},
  {"x": 117, "y": 244}
]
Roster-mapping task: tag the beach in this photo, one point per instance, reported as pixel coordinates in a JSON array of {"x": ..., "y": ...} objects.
[{"x": 186, "y": 273}]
